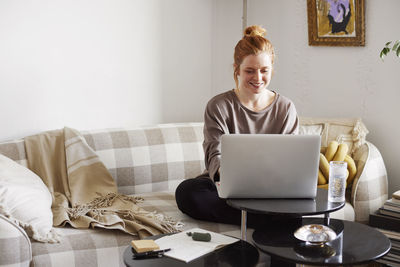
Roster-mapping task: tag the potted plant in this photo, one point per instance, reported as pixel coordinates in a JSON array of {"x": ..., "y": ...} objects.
[{"x": 389, "y": 47}]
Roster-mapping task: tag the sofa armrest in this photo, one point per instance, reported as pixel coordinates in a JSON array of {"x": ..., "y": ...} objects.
[
  {"x": 370, "y": 187},
  {"x": 15, "y": 245}
]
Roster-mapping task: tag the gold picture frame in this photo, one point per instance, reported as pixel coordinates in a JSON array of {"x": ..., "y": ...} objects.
[{"x": 336, "y": 22}]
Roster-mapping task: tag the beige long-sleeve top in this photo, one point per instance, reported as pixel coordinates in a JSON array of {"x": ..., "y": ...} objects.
[{"x": 225, "y": 114}]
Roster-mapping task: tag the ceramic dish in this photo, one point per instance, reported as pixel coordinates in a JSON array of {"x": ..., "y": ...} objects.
[{"x": 315, "y": 234}]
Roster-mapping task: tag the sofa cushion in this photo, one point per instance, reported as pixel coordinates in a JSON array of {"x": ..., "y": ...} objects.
[
  {"x": 82, "y": 247},
  {"x": 150, "y": 159},
  {"x": 25, "y": 199},
  {"x": 311, "y": 129},
  {"x": 101, "y": 247},
  {"x": 344, "y": 130}
]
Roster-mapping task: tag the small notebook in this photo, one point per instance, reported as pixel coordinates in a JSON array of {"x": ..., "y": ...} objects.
[
  {"x": 184, "y": 248},
  {"x": 144, "y": 245}
]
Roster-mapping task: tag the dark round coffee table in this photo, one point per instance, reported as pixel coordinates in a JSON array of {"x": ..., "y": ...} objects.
[
  {"x": 238, "y": 254},
  {"x": 292, "y": 208},
  {"x": 356, "y": 244}
]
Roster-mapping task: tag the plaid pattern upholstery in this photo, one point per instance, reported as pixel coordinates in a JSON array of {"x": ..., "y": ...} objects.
[
  {"x": 150, "y": 159},
  {"x": 99, "y": 247},
  {"x": 370, "y": 188},
  {"x": 15, "y": 246},
  {"x": 82, "y": 247}
]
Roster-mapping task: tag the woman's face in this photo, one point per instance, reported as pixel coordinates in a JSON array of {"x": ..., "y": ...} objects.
[{"x": 255, "y": 73}]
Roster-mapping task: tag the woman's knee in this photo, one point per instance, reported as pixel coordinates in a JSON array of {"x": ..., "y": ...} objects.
[
  {"x": 193, "y": 185},
  {"x": 191, "y": 195},
  {"x": 182, "y": 192}
]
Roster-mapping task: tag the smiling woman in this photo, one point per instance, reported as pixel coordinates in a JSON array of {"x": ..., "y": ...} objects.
[{"x": 249, "y": 108}]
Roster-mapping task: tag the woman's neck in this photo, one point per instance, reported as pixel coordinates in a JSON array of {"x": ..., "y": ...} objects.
[{"x": 255, "y": 102}]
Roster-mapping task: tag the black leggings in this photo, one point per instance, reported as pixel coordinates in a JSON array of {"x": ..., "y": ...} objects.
[{"x": 198, "y": 198}]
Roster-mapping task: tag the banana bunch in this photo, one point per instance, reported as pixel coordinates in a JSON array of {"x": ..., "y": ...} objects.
[{"x": 334, "y": 152}]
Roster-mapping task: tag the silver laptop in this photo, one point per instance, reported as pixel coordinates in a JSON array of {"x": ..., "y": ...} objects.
[{"x": 269, "y": 166}]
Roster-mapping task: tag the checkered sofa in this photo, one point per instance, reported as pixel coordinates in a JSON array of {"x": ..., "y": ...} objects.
[{"x": 151, "y": 161}]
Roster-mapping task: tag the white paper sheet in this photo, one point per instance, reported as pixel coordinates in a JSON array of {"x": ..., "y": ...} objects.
[{"x": 184, "y": 248}]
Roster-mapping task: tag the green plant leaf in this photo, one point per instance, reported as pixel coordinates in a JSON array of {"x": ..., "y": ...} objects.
[
  {"x": 382, "y": 54},
  {"x": 387, "y": 48},
  {"x": 396, "y": 45}
]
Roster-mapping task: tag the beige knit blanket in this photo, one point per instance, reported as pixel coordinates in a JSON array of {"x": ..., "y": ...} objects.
[{"x": 84, "y": 192}]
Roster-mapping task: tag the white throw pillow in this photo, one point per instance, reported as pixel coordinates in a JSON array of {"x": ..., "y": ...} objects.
[
  {"x": 311, "y": 129},
  {"x": 350, "y": 131},
  {"x": 25, "y": 199}
]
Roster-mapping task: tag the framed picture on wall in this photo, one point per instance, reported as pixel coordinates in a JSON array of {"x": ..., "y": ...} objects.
[{"x": 336, "y": 22}]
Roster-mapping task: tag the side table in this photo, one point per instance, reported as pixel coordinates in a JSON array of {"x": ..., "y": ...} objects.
[{"x": 293, "y": 208}]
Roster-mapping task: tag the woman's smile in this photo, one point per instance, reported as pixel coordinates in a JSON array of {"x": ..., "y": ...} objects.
[{"x": 256, "y": 84}]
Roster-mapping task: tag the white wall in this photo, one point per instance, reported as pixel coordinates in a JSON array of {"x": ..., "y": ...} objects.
[
  {"x": 186, "y": 58},
  {"x": 227, "y": 32},
  {"x": 333, "y": 81},
  {"x": 100, "y": 64}
]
